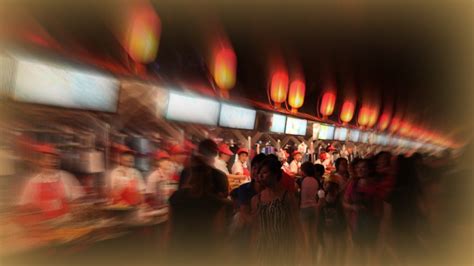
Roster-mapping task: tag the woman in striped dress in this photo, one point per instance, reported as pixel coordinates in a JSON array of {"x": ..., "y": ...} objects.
[{"x": 276, "y": 222}]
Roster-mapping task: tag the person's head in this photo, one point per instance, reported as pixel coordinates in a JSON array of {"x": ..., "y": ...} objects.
[
  {"x": 383, "y": 163},
  {"x": 127, "y": 159},
  {"x": 319, "y": 170},
  {"x": 307, "y": 169},
  {"x": 341, "y": 165},
  {"x": 161, "y": 158},
  {"x": 361, "y": 168},
  {"x": 297, "y": 156},
  {"x": 243, "y": 155},
  {"x": 224, "y": 152},
  {"x": 331, "y": 189},
  {"x": 178, "y": 154},
  {"x": 207, "y": 149},
  {"x": 48, "y": 157},
  {"x": 270, "y": 172},
  {"x": 255, "y": 165}
]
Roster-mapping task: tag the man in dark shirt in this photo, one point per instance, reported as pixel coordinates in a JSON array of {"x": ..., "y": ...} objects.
[{"x": 203, "y": 162}]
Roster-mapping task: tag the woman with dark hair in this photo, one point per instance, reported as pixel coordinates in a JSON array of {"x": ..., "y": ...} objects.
[
  {"x": 276, "y": 222},
  {"x": 309, "y": 203},
  {"x": 198, "y": 212},
  {"x": 364, "y": 213}
]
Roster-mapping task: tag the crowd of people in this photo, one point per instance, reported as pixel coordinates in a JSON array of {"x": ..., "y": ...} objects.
[
  {"x": 368, "y": 211},
  {"x": 365, "y": 212}
]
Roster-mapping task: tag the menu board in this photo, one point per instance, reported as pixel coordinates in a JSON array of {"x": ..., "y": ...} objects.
[
  {"x": 278, "y": 123},
  {"x": 382, "y": 139},
  {"x": 316, "y": 128},
  {"x": 296, "y": 126},
  {"x": 233, "y": 116},
  {"x": 193, "y": 109},
  {"x": 326, "y": 132},
  {"x": 64, "y": 86},
  {"x": 354, "y": 135},
  {"x": 340, "y": 133},
  {"x": 364, "y": 137}
]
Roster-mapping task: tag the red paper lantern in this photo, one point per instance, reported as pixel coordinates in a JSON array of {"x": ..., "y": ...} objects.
[
  {"x": 327, "y": 103},
  {"x": 225, "y": 68},
  {"x": 364, "y": 116},
  {"x": 296, "y": 95},
  {"x": 279, "y": 87},
  {"x": 347, "y": 111},
  {"x": 384, "y": 120},
  {"x": 143, "y": 33},
  {"x": 374, "y": 114},
  {"x": 395, "y": 124}
]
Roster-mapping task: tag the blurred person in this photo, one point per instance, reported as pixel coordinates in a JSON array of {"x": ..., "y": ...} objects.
[
  {"x": 295, "y": 165},
  {"x": 158, "y": 178},
  {"x": 341, "y": 174},
  {"x": 51, "y": 190},
  {"x": 319, "y": 173},
  {"x": 283, "y": 157},
  {"x": 404, "y": 202},
  {"x": 126, "y": 183},
  {"x": 365, "y": 213},
  {"x": 245, "y": 193},
  {"x": 180, "y": 158},
  {"x": 221, "y": 164},
  {"x": 325, "y": 160},
  {"x": 277, "y": 232},
  {"x": 204, "y": 159},
  {"x": 308, "y": 207},
  {"x": 196, "y": 227},
  {"x": 240, "y": 167},
  {"x": 332, "y": 223}
]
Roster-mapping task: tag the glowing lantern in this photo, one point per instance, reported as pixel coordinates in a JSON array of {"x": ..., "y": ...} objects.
[
  {"x": 347, "y": 111},
  {"x": 405, "y": 128},
  {"x": 327, "y": 103},
  {"x": 395, "y": 124},
  {"x": 364, "y": 116},
  {"x": 279, "y": 87},
  {"x": 384, "y": 121},
  {"x": 143, "y": 34},
  {"x": 373, "y": 115},
  {"x": 296, "y": 95},
  {"x": 224, "y": 69}
]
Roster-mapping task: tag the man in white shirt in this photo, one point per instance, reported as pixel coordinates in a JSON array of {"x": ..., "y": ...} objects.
[
  {"x": 240, "y": 167},
  {"x": 220, "y": 163},
  {"x": 126, "y": 182},
  {"x": 295, "y": 165}
]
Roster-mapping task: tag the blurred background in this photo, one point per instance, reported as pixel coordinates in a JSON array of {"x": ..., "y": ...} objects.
[{"x": 88, "y": 81}]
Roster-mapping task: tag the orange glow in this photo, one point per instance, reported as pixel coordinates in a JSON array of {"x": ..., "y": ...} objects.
[
  {"x": 405, "y": 128},
  {"x": 364, "y": 116},
  {"x": 225, "y": 68},
  {"x": 143, "y": 34},
  {"x": 384, "y": 121},
  {"x": 279, "y": 87},
  {"x": 347, "y": 111},
  {"x": 327, "y": 103},
  {"x": 296, "y": 94},
  {"x": 374, "y": 114},
  {"x": 395, "y": 124}
]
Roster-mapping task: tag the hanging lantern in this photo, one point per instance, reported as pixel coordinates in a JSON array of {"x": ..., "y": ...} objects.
[
  {"x": 224, "y": 70},
  {"x": 374, "y": 114},
  {"x": 279, "y": 88},
  {"x": 405, "y": 128},
  {"x": 395, "y": 124},
  {"x": 384, "y": 120},
  {"x": 296, "y": 95},
  {"x": 143, "y": 33},
  {"x": 327, "y": 103},
  {"x": 364, "y": 116},
  {"x": 347, "y": 111}
]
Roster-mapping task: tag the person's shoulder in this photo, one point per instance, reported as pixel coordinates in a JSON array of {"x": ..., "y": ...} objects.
[{"x": 217, "y": 172}]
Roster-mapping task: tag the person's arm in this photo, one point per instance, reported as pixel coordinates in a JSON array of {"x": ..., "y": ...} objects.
[{"x": 237, "y": 169}]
